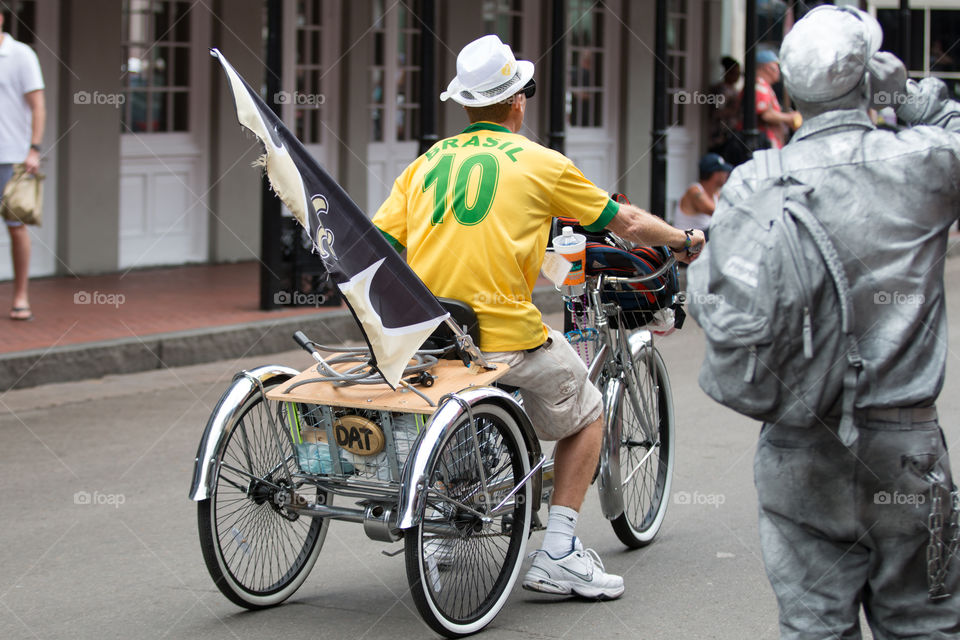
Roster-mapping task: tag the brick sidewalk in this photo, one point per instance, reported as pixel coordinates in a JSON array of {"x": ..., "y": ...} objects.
[
  {"x": 70, "y": 311},
  {"x": 118, "y": 323}
]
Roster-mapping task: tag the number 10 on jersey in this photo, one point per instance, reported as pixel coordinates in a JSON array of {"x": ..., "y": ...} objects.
[{"x": 467, "y": 212}]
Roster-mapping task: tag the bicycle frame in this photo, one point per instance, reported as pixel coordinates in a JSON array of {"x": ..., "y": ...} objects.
[{"x": 613, "y": 372}]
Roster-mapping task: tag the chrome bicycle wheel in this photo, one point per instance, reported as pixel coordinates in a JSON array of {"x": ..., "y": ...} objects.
[
  {"x": 257, "y": 551},
  {"x": 646, "y": 449},
  {"x": 464, "y": 557}
]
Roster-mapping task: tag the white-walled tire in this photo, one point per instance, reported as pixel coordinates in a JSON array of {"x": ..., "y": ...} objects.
[
  {"x": 648, "y": 457},
  {"x": 460, "y": 580},
  {"x": 257, "y": 553}
]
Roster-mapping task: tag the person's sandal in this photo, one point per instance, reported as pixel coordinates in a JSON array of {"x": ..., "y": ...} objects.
[{"x": 21, "y": 310}]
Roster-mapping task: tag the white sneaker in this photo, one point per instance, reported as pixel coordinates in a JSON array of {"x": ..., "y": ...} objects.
[{"x": 579, "y": 572}]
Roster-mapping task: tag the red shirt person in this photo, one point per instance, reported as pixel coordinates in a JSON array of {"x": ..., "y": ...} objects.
[{"x": 772, "y": 121}]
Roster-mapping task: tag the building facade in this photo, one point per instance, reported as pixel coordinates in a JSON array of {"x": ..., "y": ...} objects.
[{"x": 147, "y": 165}]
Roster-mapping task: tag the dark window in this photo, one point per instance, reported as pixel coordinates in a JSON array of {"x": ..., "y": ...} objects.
[
  {"x": 934, "y": 43},
  {"x": 309, "y": 100},
  {"x": 156, "y": 66},
  {"x": 585, "y": 63},
  {"x": 20, "y": 20},
  {"x": 505, "y": 19},
  {"x": 889, "y": 19}
]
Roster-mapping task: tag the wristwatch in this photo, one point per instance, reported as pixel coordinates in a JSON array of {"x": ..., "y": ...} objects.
[{"x": 35, "y": 147}]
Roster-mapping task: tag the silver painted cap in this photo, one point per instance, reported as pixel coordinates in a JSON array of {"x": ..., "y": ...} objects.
[{"x": 825, "y": 55}]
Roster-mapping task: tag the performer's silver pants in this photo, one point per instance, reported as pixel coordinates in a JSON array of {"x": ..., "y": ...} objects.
[{"x": 841, "y": 528}]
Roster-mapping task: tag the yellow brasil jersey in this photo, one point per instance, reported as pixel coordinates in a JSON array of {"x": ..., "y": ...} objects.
[{"x": 474, "y": 214}]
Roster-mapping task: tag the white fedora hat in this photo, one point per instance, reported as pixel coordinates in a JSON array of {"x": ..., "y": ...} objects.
[{"x": 487, "y": 73}]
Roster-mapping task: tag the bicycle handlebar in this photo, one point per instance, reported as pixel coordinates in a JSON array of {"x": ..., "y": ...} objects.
[
  {"x": 666, "y": 266},
  {"x": 305, "y": 343}
]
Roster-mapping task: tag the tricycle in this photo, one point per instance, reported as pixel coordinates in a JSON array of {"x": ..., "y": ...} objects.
[{"x": 448, "y": 462}]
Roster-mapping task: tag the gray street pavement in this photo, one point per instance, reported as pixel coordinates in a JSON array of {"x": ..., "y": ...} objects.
[{"x": 127, "y": 563}]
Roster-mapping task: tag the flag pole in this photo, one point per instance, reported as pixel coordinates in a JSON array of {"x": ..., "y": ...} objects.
[{"x": 465, "y": 344}]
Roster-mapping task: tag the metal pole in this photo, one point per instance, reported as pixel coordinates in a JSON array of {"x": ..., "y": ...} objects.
[
  {"x": 905, "y": 33},
  {"x": 558, "y": 64},
  {"x": 558, "y": 97},
  {"x": 271, "y": 259},
  {"x": 790, "y": 19},
  {"x": 428, "y": 75},
  {"x": 658, "y": 164},
  {"x": 750, "y": 132}
]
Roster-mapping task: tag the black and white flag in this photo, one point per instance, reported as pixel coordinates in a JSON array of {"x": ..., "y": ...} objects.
[{"x": 395, "y": 309}]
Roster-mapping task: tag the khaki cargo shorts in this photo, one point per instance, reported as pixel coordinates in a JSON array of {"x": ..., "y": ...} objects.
[{"x": 553, "y": 382}]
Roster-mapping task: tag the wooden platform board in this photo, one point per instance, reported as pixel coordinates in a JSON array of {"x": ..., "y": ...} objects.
[{"x": 451, "y": 375}]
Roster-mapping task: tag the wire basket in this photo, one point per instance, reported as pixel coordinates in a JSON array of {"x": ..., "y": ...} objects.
[
  {"x": 638, "y": 307},
  {"x": 359, "y": 429}
]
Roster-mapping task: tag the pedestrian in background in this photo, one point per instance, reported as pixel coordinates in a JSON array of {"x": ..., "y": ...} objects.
[
  {"x": 772, "y": 121},
  {"x": 22, "y": 115},
  {"x": 725, "y": 115}
]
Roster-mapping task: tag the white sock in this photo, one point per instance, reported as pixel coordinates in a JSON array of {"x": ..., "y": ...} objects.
[{"x": 558, "y": 540}]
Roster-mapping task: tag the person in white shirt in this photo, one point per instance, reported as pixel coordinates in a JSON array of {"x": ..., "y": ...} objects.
[
  {"x": 22, "y": 115},
  {"x": 696, "y": 206}
]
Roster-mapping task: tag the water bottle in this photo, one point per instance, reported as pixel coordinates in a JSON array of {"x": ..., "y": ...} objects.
[{"x": 573, "y": 247}]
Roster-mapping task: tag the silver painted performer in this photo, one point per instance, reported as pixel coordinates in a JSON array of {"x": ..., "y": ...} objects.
[{"x": 870, "y": 524}]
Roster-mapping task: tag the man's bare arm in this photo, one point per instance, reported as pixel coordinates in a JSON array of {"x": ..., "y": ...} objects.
[
  {"x": 38, "y": 108},
  {"x": 636, "y": 225},
  {"x": 703, "y": 203}
]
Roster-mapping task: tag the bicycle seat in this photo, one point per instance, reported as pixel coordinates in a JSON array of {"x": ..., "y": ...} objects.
[{"x": 442, "y": 337}]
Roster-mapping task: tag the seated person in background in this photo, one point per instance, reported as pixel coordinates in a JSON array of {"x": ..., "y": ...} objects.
[{"x": 696, "y": 205}]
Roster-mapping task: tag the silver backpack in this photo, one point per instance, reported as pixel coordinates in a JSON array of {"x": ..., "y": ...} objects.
[{"x": 774, "y": 302}]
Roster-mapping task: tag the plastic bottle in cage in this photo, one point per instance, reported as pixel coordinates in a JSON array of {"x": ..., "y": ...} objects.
[
  {"x": 572, "y": 246},
  {"x": 406, "y": 427}
]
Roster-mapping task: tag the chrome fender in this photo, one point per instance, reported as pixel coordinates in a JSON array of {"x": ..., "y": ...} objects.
[
  {"x": 222, "y": 421},
  {"x": 614, "y": 394},
  {"x": 608, "y": 487},
  {"x": 413, "y": 494}
]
